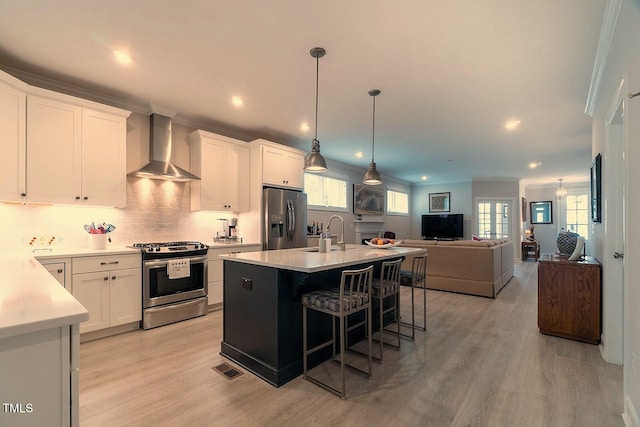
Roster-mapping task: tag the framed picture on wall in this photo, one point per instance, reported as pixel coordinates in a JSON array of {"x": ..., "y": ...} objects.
[
  {"x": 542, "y": 212},
  {"x": 439, "y": 202},
  {"x": 596, "y": 189},
  {"x": 368, "y": 200}
]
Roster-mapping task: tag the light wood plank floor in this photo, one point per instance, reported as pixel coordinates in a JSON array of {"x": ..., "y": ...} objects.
[{"x": 482, "y": 362}]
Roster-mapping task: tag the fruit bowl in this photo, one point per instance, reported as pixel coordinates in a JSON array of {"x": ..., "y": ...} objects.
[{"x": 384, "y": 245}]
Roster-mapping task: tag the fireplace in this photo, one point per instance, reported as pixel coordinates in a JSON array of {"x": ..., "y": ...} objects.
[{"x": 368, "y": 229}]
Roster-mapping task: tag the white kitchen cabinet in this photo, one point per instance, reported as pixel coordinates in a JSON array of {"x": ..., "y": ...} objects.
[
  {"x": 222, "y": 164},
  {"x": 60, "y": 268},
  {"x": 75, "y": 154},
  {"x": 13, "y": 110},
  {"x": 110, "y": 288},
  {"x": 104, "y": 158},
  {"x": 41, "y": 378},
  {"x": 282, "y": 167},
  {"x": 215, "y": 271}
]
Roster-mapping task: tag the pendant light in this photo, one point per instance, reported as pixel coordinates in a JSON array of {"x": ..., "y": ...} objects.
[
  {"x": 372, "y": 177},
  {"x": 314, "y": 162},
  {"x": 561, "y": 191}
]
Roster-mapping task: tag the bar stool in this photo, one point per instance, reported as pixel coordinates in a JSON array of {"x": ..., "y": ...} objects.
[
  {"x": 387, "y": 286},
  {"x": 353, "y": 296},
  {"x": 418, "y": 279}
]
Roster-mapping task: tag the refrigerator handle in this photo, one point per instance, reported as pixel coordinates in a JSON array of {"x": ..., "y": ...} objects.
[{"x": 291, "y": 219}]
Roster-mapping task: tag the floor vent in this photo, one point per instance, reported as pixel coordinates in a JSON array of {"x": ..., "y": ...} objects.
[{"x": 227, "y": 371}]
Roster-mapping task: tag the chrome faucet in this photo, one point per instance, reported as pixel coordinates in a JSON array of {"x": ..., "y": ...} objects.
[{"x": 341, "y": 244}]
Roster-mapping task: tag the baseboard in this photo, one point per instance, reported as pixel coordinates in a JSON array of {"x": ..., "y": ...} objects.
[
  {"x": 102, "y": 333},
  {"x": 630, "y": 416}
]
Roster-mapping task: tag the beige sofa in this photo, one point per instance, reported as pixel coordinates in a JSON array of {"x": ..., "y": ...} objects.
[{"x": 467, "y": 266}]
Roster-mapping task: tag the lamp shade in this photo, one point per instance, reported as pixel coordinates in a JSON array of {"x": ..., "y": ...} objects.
[
  {"x": 313, "y": 161},
  {"x": 372, "y": 176}
]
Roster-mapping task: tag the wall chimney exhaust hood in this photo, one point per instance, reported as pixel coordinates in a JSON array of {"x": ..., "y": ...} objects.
[{"x": 160, "y": 166}]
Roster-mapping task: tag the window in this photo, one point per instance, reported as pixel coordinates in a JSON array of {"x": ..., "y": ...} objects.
[
  {"x": 397, "y": 203},
  {"x": 577, "y": 211},
  {"x": 325, "y": 193},
  {"x": 493, "y": 219}
]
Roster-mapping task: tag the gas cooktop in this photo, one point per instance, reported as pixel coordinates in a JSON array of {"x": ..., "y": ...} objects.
[{"x": 169, "y": 247}]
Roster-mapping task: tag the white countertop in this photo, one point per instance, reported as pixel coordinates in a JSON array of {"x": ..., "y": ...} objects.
[
  {"x": 58, "y": 252},
  {"x": 31, "y": 299},
  {"x": 307, "y": 261}
]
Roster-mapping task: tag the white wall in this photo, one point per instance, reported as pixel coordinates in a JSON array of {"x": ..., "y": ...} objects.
[
  {"x": 401, "y": 225},
  {"x": 460, "y": 202},
  {"x": 622, "y": 59}
]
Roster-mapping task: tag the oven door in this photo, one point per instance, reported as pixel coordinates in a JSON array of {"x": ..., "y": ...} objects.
[{"x": 159, "y": 289}]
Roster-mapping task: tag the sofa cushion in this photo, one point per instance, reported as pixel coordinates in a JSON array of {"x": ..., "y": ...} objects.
[{"x": 473, "y": 243}]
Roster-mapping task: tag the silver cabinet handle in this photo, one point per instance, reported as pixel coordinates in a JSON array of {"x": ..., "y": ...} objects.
[{"x": 618, "y": 255}]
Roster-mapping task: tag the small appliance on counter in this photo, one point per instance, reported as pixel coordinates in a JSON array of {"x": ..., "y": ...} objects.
[{"x": 229, "y": 232}]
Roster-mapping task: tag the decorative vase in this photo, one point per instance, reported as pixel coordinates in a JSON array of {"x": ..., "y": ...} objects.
[{"x": 567, "y": 242}]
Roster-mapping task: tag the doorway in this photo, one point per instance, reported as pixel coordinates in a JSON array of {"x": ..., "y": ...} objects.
[{"x": 493, "y": 218}]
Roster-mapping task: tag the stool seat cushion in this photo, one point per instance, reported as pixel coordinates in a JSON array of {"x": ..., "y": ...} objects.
[
  {"x": 406, "y": 276},
  {"x": 330, "y": 300},
  {"x": 384, "y": 289}
]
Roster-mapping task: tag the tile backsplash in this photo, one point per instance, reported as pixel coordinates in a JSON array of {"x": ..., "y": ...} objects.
[{"x": 156, "y": 211}]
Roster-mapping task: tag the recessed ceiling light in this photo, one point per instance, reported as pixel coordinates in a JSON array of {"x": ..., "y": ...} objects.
[
  {"x": 122, "y": 57},
  {"x": 424, "y": 177},
  {"x": 359, "y": 154},
  {"x": 305, "y": 127},
  {"x": 512, "y": 124},
  {"x": 534, "y": 165},
  {"x": 237, "y": 101}
]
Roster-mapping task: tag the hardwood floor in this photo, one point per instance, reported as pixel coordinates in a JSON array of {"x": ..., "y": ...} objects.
[{"x": 482, "y": 362}]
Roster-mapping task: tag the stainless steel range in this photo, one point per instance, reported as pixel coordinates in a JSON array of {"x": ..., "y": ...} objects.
[{"x": 174, "y": 282}]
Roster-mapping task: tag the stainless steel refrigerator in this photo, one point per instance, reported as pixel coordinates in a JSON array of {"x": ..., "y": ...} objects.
[{"x": 284, "y": 219}]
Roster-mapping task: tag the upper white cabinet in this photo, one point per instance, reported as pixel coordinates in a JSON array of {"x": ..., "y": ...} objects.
[
  {"x": 75, "y": 154},
  {"x": 222, "y": 164},
  {"x": 13, "y": 136},
  {"x": 282, "y": 167}
]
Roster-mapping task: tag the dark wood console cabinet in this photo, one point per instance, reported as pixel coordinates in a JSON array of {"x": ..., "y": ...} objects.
[{"x": 570, "y": 299}]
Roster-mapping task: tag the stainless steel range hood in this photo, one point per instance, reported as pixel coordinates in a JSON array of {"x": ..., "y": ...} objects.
[{"x": 160, "y": 166}]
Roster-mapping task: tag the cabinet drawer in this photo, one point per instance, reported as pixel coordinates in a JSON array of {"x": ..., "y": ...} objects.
[{"x": 105, "y": 263}]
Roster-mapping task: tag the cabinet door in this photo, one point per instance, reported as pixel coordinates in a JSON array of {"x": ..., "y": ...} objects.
[
  {"x": 223, "y": 168},
  {"x": 13, "y": 136},
  {"x": 57, "y": 271},
  {"x": 282, "y": 168},
  {"x": 104, "y": 159},
  {"x": 53, "y": 151},
  {"x": 92, "y": 291},
  {"x": 215, "y": 282},
  {"x": 125, "y": 298},
  {"x": 293, "y": 167},
  {"x": 272, "y": 173},
  {"x": 238, "y": 160},
  {"x": 213, "y": 176}
]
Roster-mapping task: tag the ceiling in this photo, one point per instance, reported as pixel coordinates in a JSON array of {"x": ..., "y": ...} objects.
[{"x": 451, "y": 74}]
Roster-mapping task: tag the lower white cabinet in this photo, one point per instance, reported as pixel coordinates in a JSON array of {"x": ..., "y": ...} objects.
[
  {"x": 60, "y": 268},
  {"x": 215, "y": 270},
  {"x": 110, "y": 288}
]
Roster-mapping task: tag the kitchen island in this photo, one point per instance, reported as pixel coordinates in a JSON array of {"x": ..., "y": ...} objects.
[
  {"x": 262, "y": 328},
  {"x": 39, "y": 345}
]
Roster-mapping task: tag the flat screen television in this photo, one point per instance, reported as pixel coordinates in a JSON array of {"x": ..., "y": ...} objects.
[{"x": 443, "y": 226}]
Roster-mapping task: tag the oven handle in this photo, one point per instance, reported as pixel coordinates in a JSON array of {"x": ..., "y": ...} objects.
[{"x": 151, "y": 263}]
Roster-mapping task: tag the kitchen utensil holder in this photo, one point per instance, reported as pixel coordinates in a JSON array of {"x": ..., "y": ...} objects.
[{"x": 97, "y": 241}]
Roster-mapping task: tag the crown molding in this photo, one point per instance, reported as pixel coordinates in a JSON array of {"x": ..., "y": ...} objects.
[{"x": 609, "y": 23}]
